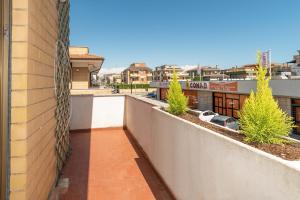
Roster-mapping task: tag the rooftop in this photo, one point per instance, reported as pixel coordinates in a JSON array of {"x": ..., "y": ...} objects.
[
  {"x": 138, "y": 67},
  {"x": 85, "y": 57}
]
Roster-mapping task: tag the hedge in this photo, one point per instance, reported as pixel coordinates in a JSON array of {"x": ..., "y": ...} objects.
[{"x": 134, "y": 86}]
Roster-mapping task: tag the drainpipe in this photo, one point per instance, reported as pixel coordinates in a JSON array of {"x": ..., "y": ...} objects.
[{"x": 6, "y": 97}]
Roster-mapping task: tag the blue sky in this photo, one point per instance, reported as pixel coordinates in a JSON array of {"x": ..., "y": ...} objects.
[{"x": 186, "y": 32}]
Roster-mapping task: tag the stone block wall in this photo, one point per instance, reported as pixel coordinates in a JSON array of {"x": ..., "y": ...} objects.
[
  {"x": 285, "y": 104},
  {"x": 33, "y": 159},
  {"x": 205, "y": 100}
]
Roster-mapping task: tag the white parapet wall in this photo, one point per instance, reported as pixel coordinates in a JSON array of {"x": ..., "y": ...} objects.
[
  {"x": 197, "y": 163},
  {"x": 91, "y": 112}
]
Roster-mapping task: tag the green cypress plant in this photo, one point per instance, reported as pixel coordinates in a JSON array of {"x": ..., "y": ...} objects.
[
  {"x": 175, "y": 97},
  {"x": 261, "y": 119}
]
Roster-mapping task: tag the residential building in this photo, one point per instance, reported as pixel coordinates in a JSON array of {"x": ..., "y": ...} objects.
[
  {"x": 246, "y": 72},
  {"x": 112, "y": 78},
  {"x": 84, "y": 66},
  {"x": 165, "y": 73},
  {"x": 281, "y": 71},
  {"x": 295, "y": 68},
  {"x": 137, "y": 73},
  {"x": 206, "y": 73}
]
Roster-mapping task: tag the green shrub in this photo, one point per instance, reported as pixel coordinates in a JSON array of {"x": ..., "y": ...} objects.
[
  {"x": 175, "y": 97},
  {"x": 261, "y": 119},
  {"x": 198, "y": 78}
]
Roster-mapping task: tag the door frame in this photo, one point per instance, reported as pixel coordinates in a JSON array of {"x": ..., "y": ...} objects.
[
  {"x": 296, "y": 120},
  {"x": 5, "y": 32}
]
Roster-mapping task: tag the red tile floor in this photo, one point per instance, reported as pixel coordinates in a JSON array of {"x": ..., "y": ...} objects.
[{"x": 107, "y": 165}]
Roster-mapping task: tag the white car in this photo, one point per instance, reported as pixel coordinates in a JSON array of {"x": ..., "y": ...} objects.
[{"x": 207, "y": 115}]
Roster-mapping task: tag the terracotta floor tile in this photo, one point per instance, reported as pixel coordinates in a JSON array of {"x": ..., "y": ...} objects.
[{"x": 107, "y": 165}]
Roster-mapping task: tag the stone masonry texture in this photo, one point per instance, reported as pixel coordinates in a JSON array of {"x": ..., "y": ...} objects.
[{"x": 33, "y": 160}]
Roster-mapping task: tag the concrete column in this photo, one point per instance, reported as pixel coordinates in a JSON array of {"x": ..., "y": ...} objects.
[
  {"x": 285, "y": 104},
  {"x": 205, "y": 100}
]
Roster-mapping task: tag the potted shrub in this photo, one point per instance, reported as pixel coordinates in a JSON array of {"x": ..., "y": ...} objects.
[
  {"x": 261, "y": 119},
  {"x": 176, "y": 99}
]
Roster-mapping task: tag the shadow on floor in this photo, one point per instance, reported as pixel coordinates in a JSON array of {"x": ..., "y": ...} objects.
[
  {"x": 106, "y": 164},
  {"x": 157, "y": 186},
  {"x": 77, "y": 167}
]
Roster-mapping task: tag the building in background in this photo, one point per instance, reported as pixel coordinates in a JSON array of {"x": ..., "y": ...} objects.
[
  {"x": 137, "y": 73},
  {"x": 295, "y": 68},
  {"x": 206, "y": 73},
  {"x": 113, "y": 78},
  {"x": 281, "y": 71},
  {"x": 84, "y": 67},
  {"x": 165, "y": 73},
  {"x": 246, "y": 72}
]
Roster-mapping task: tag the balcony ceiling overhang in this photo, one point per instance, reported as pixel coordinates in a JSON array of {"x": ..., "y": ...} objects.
[{"x": 91, "y": 64}]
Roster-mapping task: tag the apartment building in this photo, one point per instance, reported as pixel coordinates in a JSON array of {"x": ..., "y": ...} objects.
[
  {"x": 112, "y": 78},
  {"x": 206, "y": 73},
  {"x": 246, "y": 72},
  {"x": 165, "y": 73},
  {"x": 295, "y": 68},
  {"x": 137, "y": 73},
  {"x": 84, "y": 67}
]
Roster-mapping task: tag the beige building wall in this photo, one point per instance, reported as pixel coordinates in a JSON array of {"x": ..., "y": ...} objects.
[
  {"x": 80, "y": 78},
  {"x": 33, "y": 159},
  {"x": 79, "y": 50}
]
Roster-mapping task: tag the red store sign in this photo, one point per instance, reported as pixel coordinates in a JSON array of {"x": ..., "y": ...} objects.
[{"x": 224, "y": 86}]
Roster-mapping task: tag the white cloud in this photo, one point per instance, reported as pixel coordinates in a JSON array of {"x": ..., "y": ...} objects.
[
  {"x": 188, "y": 67},
  {"x": 111, "y": 70}
]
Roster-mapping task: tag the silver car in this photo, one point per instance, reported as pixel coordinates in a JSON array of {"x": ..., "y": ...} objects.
[{"x": 226, "y": 121}]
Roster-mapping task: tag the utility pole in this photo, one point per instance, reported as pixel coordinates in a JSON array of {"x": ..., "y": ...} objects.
[{"x": 270, "y": 63}]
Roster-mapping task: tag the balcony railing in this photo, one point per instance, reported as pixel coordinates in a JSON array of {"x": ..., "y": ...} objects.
[{"x": 194, "y": 162}]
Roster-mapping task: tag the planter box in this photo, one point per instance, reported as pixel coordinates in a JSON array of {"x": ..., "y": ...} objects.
[{"x": 197, "y": 163}]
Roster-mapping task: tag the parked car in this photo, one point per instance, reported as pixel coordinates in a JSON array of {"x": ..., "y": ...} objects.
[
  {"x": 206, "y": 115},
  {"x": 151, "y": 95},
  {"x": 226, "y": 121},
  {"x": 115, "y": 91}
]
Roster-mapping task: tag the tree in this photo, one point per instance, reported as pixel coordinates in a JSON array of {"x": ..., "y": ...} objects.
[
  {"x": 261, "y": 119},
  {"x": 175, "y": 97}
]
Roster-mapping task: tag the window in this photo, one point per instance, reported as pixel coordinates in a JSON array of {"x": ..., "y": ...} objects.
[
  {"x": 296, "y": 114},
  {"x": 219, "y": 122},
  {"x": 228, "y": 104},
  {"x": 206, "y": 114}
]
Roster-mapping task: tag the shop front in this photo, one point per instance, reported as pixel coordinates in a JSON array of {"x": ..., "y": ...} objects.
[
  {"x": 228, "y": 104},
  {"x": 228, "y": 98},
  {"x": 163, "y": 94},
  {"x": 191, "y": 94},
  {"x": 192, "y": 98}
]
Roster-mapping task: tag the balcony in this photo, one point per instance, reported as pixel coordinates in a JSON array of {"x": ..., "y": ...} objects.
[{"x": 126, "y": 147}]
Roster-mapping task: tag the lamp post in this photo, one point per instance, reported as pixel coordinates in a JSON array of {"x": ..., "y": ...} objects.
[
  {"x": 131, "y": 84},
  {"x": 270, "y": 62}
]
